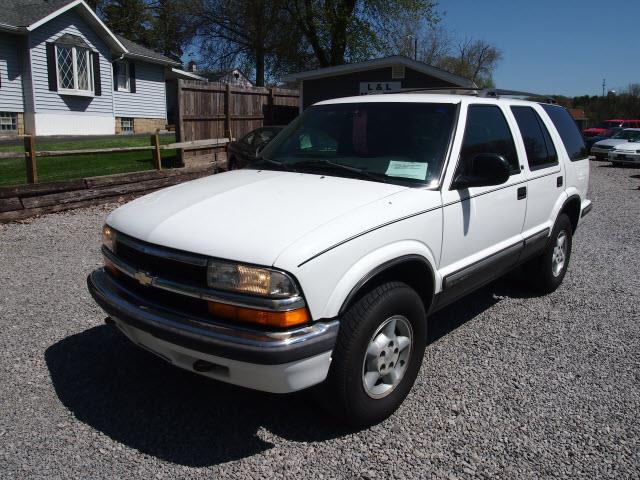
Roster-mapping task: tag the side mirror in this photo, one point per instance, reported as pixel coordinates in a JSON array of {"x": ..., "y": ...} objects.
[{"x": 483, "y": 170}]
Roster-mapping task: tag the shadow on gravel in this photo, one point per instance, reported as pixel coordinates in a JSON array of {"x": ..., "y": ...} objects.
[
  {"x": 513, "y": 285},
  {"x": 146, "y": 404}
]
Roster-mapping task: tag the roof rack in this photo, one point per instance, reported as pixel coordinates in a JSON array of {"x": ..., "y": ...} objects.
[{"x": 478, "y": 92}]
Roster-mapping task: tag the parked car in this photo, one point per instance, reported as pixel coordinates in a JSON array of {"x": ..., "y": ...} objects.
[
  {"x": 590, "y": 141},
  {"x": 242, "y": 152},
  {"x": 603, "y": 126},
  {"x": 626, "y": 153},
  {"x": 602, "y": 148},
  {"x": 319, "y": 263}
]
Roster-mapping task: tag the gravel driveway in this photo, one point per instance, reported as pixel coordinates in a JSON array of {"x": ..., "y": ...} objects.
[{"x": 513, "y": 386}]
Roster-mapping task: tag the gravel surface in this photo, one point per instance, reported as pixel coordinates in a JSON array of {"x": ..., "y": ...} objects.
[{"x": 512, "y": 386}]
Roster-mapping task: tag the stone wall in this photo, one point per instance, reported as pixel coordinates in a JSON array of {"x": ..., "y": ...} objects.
[{"x": 143, "y": 125}]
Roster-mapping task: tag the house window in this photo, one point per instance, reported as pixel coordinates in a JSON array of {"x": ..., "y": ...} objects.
[
  {"x": 123, "y": 77},
  {"x": 75, "y": 73},
  {"x": 8, "y": 121},
  {"x": 126, "y": 125}
]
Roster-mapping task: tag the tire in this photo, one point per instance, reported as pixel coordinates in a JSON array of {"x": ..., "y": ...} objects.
[
  {"x": 362, "y": 347},
  {"x": 547, "y": 271},
  {"x": 232, "y": 164}
]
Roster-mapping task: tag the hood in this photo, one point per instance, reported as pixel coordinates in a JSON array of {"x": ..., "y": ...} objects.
[
  {"x": 628, "y": 146},
  {"x": 610, "y": 142},
  {"x": 244, "y": 215}
]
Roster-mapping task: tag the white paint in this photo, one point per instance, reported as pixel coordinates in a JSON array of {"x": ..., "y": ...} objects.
[
  {"x": 329, "y": 232},
  {"x": 282, "y": 378},
  {"x": 72, "y": 123}
]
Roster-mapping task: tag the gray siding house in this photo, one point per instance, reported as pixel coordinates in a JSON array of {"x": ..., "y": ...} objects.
[{"x": 63, "y": 72}]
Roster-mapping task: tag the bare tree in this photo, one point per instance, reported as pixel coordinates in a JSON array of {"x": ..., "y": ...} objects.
[
  {"x": 232, "y": 31},
  {"x": 473, "y": 59}
]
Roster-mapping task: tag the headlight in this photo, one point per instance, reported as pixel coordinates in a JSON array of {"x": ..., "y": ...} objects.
[
  {"x": 109, "y": 237},
  {"x": 248, "y": 279}
]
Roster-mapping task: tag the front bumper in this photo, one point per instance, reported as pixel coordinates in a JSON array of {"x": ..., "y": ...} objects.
[
  {"x": 624, "y": 157},
  {"x": 600, "y": 153},
  {"x": 274, "y": 361}
]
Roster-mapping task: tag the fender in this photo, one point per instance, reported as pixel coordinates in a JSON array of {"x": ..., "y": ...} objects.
[{"x": 376, "y": 262}]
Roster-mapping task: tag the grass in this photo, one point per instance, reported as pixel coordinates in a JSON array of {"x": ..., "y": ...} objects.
[{"x": 52, "y": 169}]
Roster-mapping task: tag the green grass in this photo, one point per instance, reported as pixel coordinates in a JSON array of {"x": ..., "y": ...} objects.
[{"x": 52, "y": 169}]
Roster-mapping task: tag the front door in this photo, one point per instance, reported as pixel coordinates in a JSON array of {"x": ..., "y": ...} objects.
[{"x": 482, "y": 226}]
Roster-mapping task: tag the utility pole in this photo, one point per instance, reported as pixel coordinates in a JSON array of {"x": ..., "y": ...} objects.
[
  {"x": 416, "y": 48},
  {"x": 604, "y": 85}
]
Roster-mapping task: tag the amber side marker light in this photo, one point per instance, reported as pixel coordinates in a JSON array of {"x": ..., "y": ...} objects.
[{"x": 291, "y": 318}]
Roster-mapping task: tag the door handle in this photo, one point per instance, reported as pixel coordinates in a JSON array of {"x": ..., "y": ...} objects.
[
  {"x": 522, "y": 193},
  {"x": 559, "y": 181}
]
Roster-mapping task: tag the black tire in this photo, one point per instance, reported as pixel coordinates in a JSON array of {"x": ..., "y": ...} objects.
[
  {"x": 232, "y": 164},
  {"x": 540, "y": 271},
  {"x": 343, "y": 393}
]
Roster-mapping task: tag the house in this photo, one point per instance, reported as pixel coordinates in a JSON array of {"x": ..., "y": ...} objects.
[
  {"x": 63, "y": 72},
  {"x": 381, "y": 75},
  {"x": 233, "y": 77}
]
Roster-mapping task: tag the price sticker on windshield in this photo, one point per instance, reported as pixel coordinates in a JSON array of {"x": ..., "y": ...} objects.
[{"x": 416, "y": 170}]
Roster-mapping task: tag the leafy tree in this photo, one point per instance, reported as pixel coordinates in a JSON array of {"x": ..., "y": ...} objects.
[
  {"x": 129, "y": 18},
  {"x": 171, "y": 27},
  {"x": 338, "y": 31}
]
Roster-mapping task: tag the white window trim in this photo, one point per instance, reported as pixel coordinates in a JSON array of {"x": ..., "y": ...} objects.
[
  {"x": 76, "y": 91},
  {"x": 127, "y": 75}
]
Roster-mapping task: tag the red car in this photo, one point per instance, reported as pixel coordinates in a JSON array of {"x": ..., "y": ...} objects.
[{"x": 607, "y": 124}]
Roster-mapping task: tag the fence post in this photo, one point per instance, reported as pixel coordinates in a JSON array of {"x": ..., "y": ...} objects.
[
  {"x": 30, "y": 157},
  {"x": 227, "y": 111},
  {"x": 271, "y": 114},
  {"x": 157, "y": 158}
]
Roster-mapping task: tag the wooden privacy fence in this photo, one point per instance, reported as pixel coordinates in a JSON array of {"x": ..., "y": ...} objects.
[
  {"x": 217, "y": 110},
  {"x": 31, "y": 153}
]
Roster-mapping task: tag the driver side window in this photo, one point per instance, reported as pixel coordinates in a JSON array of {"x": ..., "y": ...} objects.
[{"x": 487, "y": 131}]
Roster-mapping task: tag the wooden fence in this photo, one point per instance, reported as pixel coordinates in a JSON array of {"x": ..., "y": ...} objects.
[
  {"x": 214, "y": 110},
  {"x": 31, "y": 153}
]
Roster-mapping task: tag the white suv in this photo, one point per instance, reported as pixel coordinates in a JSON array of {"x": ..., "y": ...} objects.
[{"x": 319, "y": 263}]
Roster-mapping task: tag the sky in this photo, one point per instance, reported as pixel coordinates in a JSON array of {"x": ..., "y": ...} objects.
[{"x": 563, "y": 47}]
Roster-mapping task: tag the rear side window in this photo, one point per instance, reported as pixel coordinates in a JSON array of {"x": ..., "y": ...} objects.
[
  {"x": 537, "y": 141},
  {"x": 568, "y": 130},
  {"x": 487, "y": 131}
]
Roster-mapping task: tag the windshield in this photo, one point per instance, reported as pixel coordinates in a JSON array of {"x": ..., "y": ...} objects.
[
  {"x": 402, "y": 143},
  {"x": 631, "y": 135}
]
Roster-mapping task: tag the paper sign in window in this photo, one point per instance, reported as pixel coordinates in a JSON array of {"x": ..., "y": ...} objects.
[{"x": 416, "y": 170}]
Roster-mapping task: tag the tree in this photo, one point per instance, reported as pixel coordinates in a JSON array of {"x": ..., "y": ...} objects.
[
  {"x": 129, "y": 18},
  {"x": 350, "y": 30},
  {"x": 171, "y": 27},
  {"x": 232, "y": 31},
  {"x": 473, "y": 59}
]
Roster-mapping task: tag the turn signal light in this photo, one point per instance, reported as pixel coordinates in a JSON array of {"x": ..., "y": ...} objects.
[{"x": 260, "y": 317}]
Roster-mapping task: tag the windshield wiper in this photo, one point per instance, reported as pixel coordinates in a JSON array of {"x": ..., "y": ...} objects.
[
  {"x": 378, "y": 177},
  {"x": 282, "y": 165}
]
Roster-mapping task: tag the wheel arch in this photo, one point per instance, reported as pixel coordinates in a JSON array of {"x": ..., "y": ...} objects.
[
  {"x": 571, "y": 207},
  {"x": 413, "y": 269}
]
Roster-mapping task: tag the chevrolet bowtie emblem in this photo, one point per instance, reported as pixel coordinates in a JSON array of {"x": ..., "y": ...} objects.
[{"x": 143, "y": 278}]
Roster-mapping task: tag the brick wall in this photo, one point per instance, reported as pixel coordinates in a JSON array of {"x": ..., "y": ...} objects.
[{"x": 143, "y": 125}]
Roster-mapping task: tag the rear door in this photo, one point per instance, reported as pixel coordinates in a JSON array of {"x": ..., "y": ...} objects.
[
  {"x": 545, "y": 182},
  {"x": 482, "y": 226}
]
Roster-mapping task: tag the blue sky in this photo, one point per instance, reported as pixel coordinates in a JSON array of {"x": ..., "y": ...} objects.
[{"x": 563, "y": 47}]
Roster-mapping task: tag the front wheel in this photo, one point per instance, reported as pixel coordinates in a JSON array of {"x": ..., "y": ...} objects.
[
  {"x": 547, "y": 271},
  {"x": 377, "y": 356}
]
